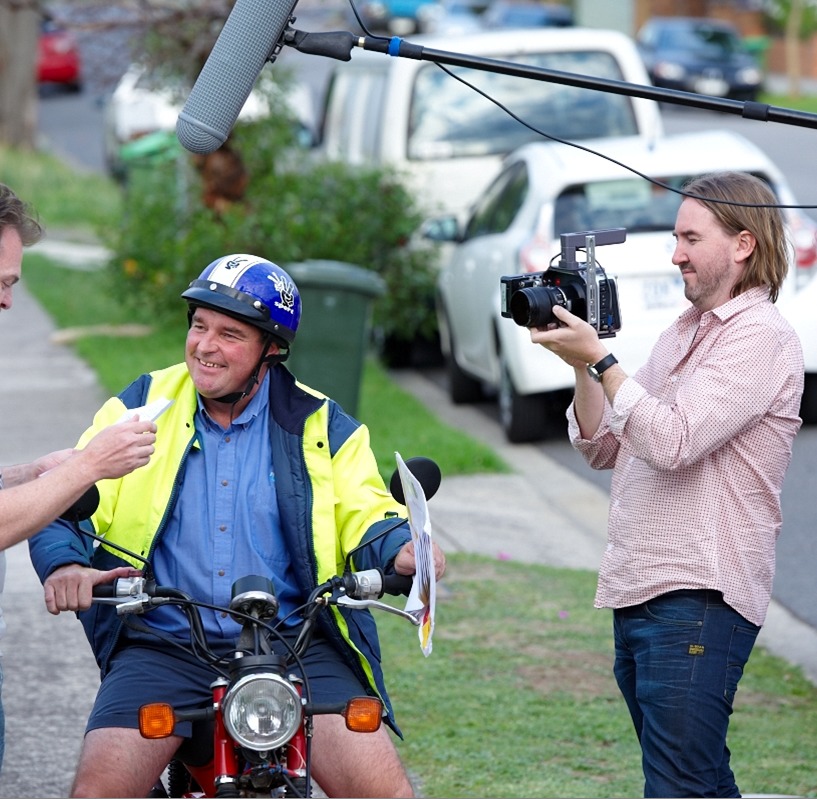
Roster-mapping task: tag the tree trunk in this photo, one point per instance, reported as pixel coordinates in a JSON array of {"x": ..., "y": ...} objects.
[
  {"x": 19, "y": 31},
  {"x": 793, "y": 24}
]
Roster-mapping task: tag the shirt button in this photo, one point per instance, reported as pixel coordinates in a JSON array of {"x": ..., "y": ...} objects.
[
  {"x": 221, "y": 572},
  {"x": 224, "y": 483},
  {"x": 222, "y": 528},
  {"x": 227, "y": 439}
]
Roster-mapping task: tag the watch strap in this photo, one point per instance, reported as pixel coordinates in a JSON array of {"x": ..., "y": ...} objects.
[
  {"x": 596, "y": 370},
  {"x": 604, "y": 364}
]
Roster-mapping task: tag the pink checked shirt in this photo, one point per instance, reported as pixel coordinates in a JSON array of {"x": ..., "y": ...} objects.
[{"x": 700, "y": 440}]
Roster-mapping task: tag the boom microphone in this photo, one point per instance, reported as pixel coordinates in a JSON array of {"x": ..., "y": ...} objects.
[{"x": 250, "y": 37}]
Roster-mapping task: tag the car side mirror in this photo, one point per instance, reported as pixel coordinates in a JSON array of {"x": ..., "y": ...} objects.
[{"x": 441, "y": 228}]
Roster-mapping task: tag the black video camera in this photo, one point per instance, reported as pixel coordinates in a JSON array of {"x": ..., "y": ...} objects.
[{"x": 575, "y": 285}]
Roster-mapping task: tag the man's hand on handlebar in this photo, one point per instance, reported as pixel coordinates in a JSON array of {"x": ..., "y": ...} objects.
[
  {"x": 405, "y": 562},
  {"x": 71, "y": 587}
]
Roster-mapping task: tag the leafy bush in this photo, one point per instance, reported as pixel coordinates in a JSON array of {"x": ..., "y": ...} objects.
[
  {"x": 778, "y": 14},
  {"x": 294, "y": 209}
]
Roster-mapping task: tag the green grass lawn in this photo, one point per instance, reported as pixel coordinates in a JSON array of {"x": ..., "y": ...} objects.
[{"x": 517, "y": 698}]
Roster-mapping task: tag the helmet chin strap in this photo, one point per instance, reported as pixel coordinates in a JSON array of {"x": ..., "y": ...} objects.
[{"x": 271, "y": 360}]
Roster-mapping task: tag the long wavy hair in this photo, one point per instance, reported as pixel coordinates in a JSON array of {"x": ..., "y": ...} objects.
[{"x": 737, "y": 195}]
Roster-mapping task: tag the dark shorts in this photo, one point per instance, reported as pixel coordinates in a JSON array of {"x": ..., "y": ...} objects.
[{"x": 142, "y": 671}]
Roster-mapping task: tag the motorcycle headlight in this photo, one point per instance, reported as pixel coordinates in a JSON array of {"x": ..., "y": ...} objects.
[{"x": 261, "y": 711}]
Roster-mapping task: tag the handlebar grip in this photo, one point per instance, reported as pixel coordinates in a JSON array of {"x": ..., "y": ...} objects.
[
  {"x": 396, "y": 584},
  {"x": 120, "y": 588}
]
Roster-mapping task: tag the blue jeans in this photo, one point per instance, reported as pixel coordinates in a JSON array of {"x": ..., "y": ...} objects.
[{"x": 679, "y": 658}]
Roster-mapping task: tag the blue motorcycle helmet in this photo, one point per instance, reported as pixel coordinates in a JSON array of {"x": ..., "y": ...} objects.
[{"x": 253, "y": 290}]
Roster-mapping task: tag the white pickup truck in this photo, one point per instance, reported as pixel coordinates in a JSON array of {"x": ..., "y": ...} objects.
[{"x": 447, "y": 139}]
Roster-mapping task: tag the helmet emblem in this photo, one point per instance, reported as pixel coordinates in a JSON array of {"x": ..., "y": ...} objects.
[
  {"x": 234, "y": 263},
  {"x": 286, "y": 291}
]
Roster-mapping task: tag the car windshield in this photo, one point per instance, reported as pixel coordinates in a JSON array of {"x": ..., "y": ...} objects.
[
  {"x": 530, "y": 16},
  {"x": 703, "y": 38},
  {"x": 634, "y": 204},
  {"x": 450, "y": 120}
]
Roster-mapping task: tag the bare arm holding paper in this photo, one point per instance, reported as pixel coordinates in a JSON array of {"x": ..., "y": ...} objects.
[{"x": 36, "y": 493}]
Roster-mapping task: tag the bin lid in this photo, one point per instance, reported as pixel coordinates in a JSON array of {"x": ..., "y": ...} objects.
[
  {"x": 336, "y": 274},
  {"x": 159, "y": 145}
]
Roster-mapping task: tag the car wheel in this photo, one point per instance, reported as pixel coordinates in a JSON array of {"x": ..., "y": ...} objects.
[
  {"x": 808, "y": 404},
  {"x": 523, "y": 416},
  {"x": 462, "y": 388},
  {"x": 396, "y": 352}
]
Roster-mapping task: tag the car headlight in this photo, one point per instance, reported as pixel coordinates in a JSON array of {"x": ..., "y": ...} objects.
[
  {"x": 670, "y": 70},
  {"x": 261, "y": 711},
  {"x": 750, "y": 75}
]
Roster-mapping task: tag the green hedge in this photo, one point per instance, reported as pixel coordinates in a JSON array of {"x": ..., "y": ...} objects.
[{"x": 295, "y": 208}]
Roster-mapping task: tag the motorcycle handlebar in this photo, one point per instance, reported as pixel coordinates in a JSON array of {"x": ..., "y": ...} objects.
[
  {"x": 397, "y": 584},
  {"x": 121, "y": 588},
  {"x": 369, "y": 584}
]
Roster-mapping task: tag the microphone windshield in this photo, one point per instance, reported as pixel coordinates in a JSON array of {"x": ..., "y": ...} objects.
[{"x": 249, "y": 38}]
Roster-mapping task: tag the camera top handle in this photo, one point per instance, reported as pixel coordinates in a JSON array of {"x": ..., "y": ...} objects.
[{"x": 570, "y": 242}]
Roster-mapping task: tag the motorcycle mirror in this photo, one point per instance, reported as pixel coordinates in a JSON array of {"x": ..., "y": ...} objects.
[
  {"x": 427, "y": 473},
  {"x": 84, "y": 507}
]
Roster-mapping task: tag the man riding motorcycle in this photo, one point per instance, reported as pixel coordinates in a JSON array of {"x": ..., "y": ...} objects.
[{"x": 253, "y": 473}]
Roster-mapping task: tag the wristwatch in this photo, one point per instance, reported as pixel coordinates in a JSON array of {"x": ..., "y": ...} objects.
[{"x": 596, "y": 370}]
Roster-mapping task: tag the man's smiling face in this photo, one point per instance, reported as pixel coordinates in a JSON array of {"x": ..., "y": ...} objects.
[{"x": 221, "y": 352}]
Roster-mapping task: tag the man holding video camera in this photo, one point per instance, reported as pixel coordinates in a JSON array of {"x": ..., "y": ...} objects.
[{"x": 699, "y": 440}]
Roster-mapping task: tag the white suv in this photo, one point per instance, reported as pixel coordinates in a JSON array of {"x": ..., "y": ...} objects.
[{"x": 448, "y": 140}]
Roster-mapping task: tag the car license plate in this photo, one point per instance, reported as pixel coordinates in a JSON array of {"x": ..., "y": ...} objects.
[
  {"x": 663, "y": 292},
  {"x": 714, "y": 86}
]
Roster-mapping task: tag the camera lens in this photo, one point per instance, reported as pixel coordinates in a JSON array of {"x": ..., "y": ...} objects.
[{"x": 533, "y": 307}]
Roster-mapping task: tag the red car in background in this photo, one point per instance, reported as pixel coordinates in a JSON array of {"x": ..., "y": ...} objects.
[{"x": 58, "y": 58}]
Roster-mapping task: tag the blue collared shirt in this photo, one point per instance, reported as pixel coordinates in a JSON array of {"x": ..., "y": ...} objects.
[{"x": 225, "y": 524}]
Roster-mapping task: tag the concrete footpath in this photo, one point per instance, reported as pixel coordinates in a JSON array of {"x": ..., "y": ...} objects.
[{"x": 540, "y": 513}]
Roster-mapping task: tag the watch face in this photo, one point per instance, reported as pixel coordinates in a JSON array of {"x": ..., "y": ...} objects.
[{"x": 591, "y": 370}]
